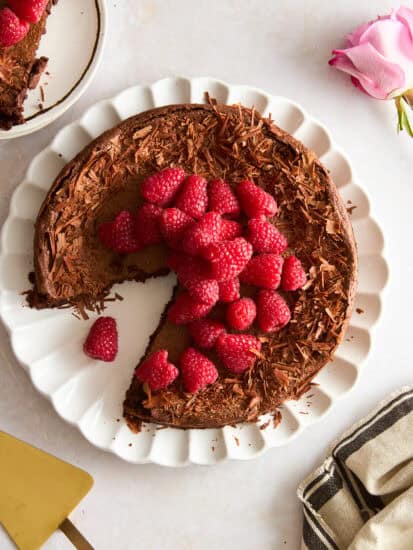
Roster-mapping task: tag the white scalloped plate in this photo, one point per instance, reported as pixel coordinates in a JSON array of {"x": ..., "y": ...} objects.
[{"x": 89, "y": 393}]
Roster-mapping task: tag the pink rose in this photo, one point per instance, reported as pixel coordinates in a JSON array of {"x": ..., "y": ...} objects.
[
  {"x": 379, "y": 55},
  {"x": 379, "y": 58}
]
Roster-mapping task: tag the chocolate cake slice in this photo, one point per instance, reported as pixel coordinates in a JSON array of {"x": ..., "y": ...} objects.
[
  {"x": 20, "y": 70},
  {"x": 231, "y": 142}
]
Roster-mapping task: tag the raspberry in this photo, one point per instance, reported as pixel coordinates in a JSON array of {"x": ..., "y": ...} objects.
[
  {"x": 229, "y": 290},
  {"x": 293, "y": 275},
  {"x": 193, "y": 197},
  {"x": 161, "y": 188},
  {"x": 173, "y": 223},
  {"x": 264, "y": 237},
  {"x": 187, "y": 268},
  {"x": 205, "y": 332},
  {"x": 147, "y": 224},
  {"x": 227, "y": 259},
  {"x": 197, "y": 370},
  {"x": 207, "y": 230},
  {"x": 222, "y": 199},
  {"x": 241, "y": 314},
  {"x": 255, "y": 201},
  {"x": 236, "y": 351},
  {"x": 185, "y": 310},
  {"x": 272, "y": 311},
  {"x": 263, "y": 271},
  {"x": 203, "y": 290},
  {"x": 102, "y": 340},
  {"x": 12, "y": 29},
  {"x": 156, "y": 371},
  {"x": 28, "y": 10},
  {"x": 120, "y": 235},
  {"x": 230, "y": 230}
]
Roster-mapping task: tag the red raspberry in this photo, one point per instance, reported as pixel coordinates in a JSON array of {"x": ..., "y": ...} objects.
[
  {"x": 12, "y": 29},
  {"x": 120, "y": 235},
  {"x": 28, "y": 10},
  {"x": 173, "y": 223},
  {"x": 205, "y": 332},
  {"x": 203, "y": 290},
  {"x": 236, "y": 351},
  {"x": 222, "y": 199},
  {"x": 230, "y": 230},
  {"x": 241, "y": 314},
  {"x": 293, "y": 275},
  {"x": 255, "y": 201},
  {"x": 102, "y": 340},
  {"x": 263, "y": 271},
  {"x": 185, "y": 310},
  {"x": 229, "y": 290},
  {"x": 227, "y": 259},
  {"x": 161, "y": 188},
  {"x": 264, "y": 237},
  {"x": 148, "y": 224},
  {"x": 156, "y": 371},
  {"x": 272, "y": 311},
  {"x": 197, "y": 370},
  {"x": 193, "y": 197},
  {"x": 186, "y": 267},
  {"x": 207, "y": 230}
]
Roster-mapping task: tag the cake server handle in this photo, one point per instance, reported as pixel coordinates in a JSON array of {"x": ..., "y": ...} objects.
[{"x": 74, "y": 535}]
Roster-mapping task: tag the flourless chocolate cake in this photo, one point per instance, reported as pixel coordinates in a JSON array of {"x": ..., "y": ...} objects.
[
  {"x": 214, "y": 141},
  {"x": 20, "y": 71}
]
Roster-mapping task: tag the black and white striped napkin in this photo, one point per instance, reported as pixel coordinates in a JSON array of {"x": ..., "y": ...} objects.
[{"x": 361, "y": 497}]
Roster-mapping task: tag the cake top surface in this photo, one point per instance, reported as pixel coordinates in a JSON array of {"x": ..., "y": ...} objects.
[{"x": 234, "y": 143}]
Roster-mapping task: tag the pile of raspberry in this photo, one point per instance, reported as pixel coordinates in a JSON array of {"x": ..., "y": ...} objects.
[
  {"x": 217, "y": 239},
  {"x": 15, "y": 19}
]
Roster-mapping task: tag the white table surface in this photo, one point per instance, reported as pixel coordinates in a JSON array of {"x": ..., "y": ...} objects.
[{"x": 281, "y": 46}]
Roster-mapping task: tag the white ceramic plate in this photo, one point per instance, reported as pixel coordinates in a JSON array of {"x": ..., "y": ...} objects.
[
  {"x": 89, "y": 393},
  {"x": 74, "y": 45}
]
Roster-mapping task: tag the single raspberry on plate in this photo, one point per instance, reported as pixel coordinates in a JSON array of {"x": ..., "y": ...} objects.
[
  {"x": 263, "y": 271},
  {"x": 255, "y": 201},
  {"x": 28, "y": 10},
  {"x": 102, "y": 340},
  {"x": 156, "y": 371},
  {"x": 147, "y": 222},
  {"x": 205, "y": 332},
  {"x": 264, "y": 237},
  {"x": 197, "y": 370},
  {"x": 272, "y": 311},
  {"x": 207, "y": 230},
  {"x": 161, "y": 188},
  {"x": 222, "y": 199},
  {"x": 241, "y": 314},
  {"x": 173, "y": 223},
  {"x": 230, "y": 230},
  {"x": 238, "y": 352},
  {"x": 227, "y": 259},
  {"x": 193, "y": 197},
  {"x": 120, "y": 235},
  {"x": 187, "y": 267},
  {"x": 293, "y": 275},
  {"x": 12, "y": 29},
  {"x": 203, "y": 290},
  {"x": 229, "y": 290},
  {"x": 185, "y": 310}
]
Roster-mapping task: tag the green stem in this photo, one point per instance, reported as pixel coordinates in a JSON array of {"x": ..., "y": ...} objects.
[{"x": 403, "y": 122}]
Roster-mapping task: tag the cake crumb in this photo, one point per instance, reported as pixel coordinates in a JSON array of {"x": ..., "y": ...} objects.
[
  {"x": 236, "y": 441},
  {"x": 213, "y": 448},
  {"x": 359, "y": 310},
  {"x": 129, "y": 444}
]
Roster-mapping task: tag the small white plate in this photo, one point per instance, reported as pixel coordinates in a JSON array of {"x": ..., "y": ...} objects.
[
  {"x": 74, "y": 45},
  {"x": 89, "y": 393}
]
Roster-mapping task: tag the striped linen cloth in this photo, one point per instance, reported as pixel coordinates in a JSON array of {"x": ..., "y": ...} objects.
[{"x": 361, "y": 497}]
